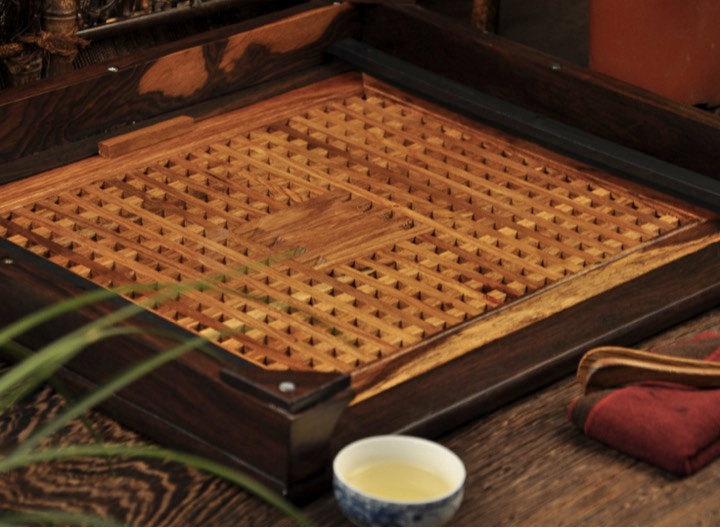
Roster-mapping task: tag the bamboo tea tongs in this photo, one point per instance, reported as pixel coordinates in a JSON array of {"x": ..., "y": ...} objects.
[{"x": 608, "y": 367}]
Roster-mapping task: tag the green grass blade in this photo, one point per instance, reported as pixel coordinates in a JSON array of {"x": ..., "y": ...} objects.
[
  {"x": 55, "y": 310},
  {"x": 43, "y": 364},
  {"x": 59, "y": 349},
  {"x": 102, "y": 393},
  {"x": 54, "y": 518},
  {"x": 19, "y": 352},
  {"x": 143, "y": 451},
  {"x": 30, "y": 373},
  {"x": 48, "y": 359}
]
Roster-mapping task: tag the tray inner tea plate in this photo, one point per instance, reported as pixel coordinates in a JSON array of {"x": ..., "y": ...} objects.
[{"x": 340, "y": 224}]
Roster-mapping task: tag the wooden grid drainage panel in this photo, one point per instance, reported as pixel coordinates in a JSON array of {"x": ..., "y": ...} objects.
[{"x": 385, "y": 224}]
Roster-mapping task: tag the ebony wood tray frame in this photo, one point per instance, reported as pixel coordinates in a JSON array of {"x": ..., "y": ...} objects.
[{"x": 237, "y": 413}]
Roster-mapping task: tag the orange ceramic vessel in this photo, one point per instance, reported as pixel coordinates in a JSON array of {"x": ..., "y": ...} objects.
[{"x": 670, "y": 47}]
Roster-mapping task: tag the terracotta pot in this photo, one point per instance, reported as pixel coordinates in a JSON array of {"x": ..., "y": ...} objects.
[{"x": 670, "y": 47}]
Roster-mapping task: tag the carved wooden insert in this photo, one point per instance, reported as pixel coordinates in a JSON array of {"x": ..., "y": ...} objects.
[{"x": 385, "y": 222}]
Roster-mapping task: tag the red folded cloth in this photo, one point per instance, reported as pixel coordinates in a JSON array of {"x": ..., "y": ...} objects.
[{"x": 671, "y": 426}]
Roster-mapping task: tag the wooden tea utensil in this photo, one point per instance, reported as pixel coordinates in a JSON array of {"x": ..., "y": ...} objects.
[
  {"x": 596, "y": 354},
  {"x": 608, "y": 367}
]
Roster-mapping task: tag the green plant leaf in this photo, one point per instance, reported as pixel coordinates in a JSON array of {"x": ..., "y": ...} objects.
[
  {"x": 26, "y": 375},
  {"x": 52, "y": 356},
  {"x": 37, "y": 367},
  {"x": 102, "y": 393},
  {"x": 46, "y": 361},
  {"x": 30, "y": 373},
  {"x": 144, "y": 451},
  {"x": 47, "y": 313},
  {"x": 57, "y": 309},
  {"x": 19, "y": 352}
]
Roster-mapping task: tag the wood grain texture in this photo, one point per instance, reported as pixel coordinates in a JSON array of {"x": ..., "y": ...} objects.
[
  {"x": 614, "y": 372},
  {"x": 242, "y": 119},
  {"x": 430, "y": 245},
  {"x": 624, "y": 114},
  {"x": 537, "y": 354},
  {"x": 144, "y": 137},
  {"x": 527, "y": 465},
  {"x": 410, "y": 224},
  {"x": 136, "y": 492},
  {"x": 97, "y": 101},
  {"x": 592, "y": 357},
  {"x": 279, "y": 440},
  {"x": 85, "y": 148},
  {"x": 548, "y": 304},
  {"x": 647, "y": 170}
]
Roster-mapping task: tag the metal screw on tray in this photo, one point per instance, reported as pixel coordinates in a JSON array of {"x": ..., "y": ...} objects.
[
  {"x": 8, "y": 261},
  {"x": 113, "y": 69},
  {"x": 286, "y": 386}
]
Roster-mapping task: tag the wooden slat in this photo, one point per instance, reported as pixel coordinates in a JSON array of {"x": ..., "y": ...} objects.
[
  {"x": 619, "y": 112},
  {"x": 144, "y": 137},
  {"x": 189, "y": 76},
  {"x": 400, "y": 225}
]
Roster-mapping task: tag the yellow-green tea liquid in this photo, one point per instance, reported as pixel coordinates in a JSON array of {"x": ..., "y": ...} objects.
[{"x": 398, "y": 481}]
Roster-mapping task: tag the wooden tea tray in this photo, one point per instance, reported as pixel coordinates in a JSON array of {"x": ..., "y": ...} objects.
[{"x": 377, "y": 263}]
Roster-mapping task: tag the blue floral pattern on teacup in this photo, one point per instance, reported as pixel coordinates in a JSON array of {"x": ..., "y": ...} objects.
[{"x": 366, "y": 511}]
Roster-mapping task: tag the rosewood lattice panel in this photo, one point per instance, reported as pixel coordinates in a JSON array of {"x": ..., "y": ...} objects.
[{"x": 385, "y": 224}]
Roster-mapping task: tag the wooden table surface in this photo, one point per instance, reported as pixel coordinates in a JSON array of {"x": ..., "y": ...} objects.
[{"x": 526, "y": 465}]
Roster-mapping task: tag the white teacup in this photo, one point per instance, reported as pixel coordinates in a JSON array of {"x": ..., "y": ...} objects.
[{"x": 367, "y": 509}]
